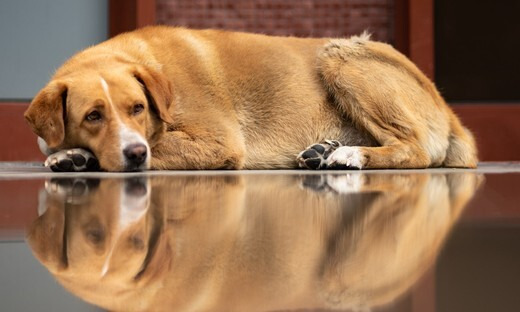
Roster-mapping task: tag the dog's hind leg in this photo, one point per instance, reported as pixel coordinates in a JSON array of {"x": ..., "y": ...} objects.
[{"x": 383, "y": 93}]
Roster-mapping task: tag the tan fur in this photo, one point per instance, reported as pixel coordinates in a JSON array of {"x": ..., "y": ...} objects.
[
  {"x": 244, "y": 245},
  {"x": 236, "y": 100}
]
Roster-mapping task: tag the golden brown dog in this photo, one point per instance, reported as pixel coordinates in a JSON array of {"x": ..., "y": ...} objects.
[
  {"x": 174, "y": 98},
  {"x": 160, "y": 244}
]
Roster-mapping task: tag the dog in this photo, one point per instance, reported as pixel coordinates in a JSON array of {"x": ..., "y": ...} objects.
[
  {"x": 328, "y": 241},
  {"x": 174, "y": 98}
]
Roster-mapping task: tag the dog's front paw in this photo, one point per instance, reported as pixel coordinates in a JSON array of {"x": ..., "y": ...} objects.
[
  {"x": 72, "y": 160},
  {"x": 315, "y": 156}
]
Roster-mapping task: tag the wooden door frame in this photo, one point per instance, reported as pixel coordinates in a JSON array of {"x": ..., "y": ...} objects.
[
  {"x": 494, "y": 124},
  {"x": 413, "y": 32},
  {"x": 127, "y": 15}
]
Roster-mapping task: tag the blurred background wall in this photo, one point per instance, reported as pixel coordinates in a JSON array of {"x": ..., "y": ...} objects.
[
  {"x": 466, "y": 47},
  {"x": 38, "y": 36},
  {"x": 303, "y": 18}
]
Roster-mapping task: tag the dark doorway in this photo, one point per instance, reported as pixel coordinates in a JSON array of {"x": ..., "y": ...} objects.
[{"x": 477, "y": 50}]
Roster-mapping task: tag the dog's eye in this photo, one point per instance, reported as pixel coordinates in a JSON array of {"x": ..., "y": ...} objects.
[
  {"x": 93, "y": 116},
  {"x": 137, "y": 109}
]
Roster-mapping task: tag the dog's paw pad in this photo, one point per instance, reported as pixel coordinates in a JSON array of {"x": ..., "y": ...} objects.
[
  {"x": 74, "y": 191},
  {"x": 315, "y": 183},
  {"x": 318, "y": 148},
  {"x": 310, "y": 159},
  {"x": 78, "y": 159},
  {"x": 314, "y": 156},
  {"x": 346, "y": 157},
  {"x": 72, "y": 160}
]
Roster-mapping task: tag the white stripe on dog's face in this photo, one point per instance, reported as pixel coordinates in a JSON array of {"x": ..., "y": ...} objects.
[
  {"x": 44, "y": 148},
  {"x": 126, "y": 135},
  {"x": 132, "y": 208}
]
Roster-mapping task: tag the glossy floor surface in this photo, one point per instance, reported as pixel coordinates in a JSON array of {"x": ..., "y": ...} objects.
[{"x": 412, "y": 240}]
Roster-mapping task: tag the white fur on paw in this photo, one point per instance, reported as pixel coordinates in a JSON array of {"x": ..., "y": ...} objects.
[
  {"x": 349, "y": 156},
  {"x": 76, "y": 159},
  {"x": 346, "y": 183}
]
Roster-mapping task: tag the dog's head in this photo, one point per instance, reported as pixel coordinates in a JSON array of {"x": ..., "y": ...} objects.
[
  {"x": 117, "y": 112},
  {"x": 102, "y": 239}
]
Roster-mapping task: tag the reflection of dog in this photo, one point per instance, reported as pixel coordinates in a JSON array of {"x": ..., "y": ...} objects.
[
  {"x": 243, "y": 244},
  {"x": 236, "y": 100}
]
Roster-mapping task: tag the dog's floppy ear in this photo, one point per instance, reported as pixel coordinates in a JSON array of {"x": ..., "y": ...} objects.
[
  {"x": 157, "y": 89},
  {"x": 46, "y": 236},
  {"x": 46, "y": 114}
]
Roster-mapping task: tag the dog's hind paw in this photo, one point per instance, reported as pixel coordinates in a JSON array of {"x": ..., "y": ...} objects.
[
  {"x": 315, "y": 156},
  {"x": 337, "y": 183},
  {"x": 72, "y": 160},
  {"x": 347, "y": 157}
]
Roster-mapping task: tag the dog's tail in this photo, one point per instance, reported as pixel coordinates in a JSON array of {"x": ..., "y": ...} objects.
[{"x": 462, "y": 151}]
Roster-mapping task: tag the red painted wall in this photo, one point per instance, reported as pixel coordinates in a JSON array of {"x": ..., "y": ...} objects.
[{"x": 17, "y": 141}]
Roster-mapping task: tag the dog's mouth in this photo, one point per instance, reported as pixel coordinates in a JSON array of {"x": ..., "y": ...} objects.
[
  {"x": 136, "y": 187},
  {"x": 134, "y": 168}
]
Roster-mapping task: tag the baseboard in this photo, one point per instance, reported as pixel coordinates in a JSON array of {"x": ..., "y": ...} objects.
[{"x": 496, "y": 127}]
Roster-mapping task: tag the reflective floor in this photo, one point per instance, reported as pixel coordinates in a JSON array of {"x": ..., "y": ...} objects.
[{"x": 407, "y": 240}]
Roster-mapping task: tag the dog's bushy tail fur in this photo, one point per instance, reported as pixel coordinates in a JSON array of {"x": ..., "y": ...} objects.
[{"x": 462, "y": 151}]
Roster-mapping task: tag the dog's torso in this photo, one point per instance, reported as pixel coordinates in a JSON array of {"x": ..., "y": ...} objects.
[{"x": 266, "y": 89}]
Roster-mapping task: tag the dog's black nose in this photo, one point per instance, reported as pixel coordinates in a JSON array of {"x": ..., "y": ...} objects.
[{"x": 135, "y": 153}]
